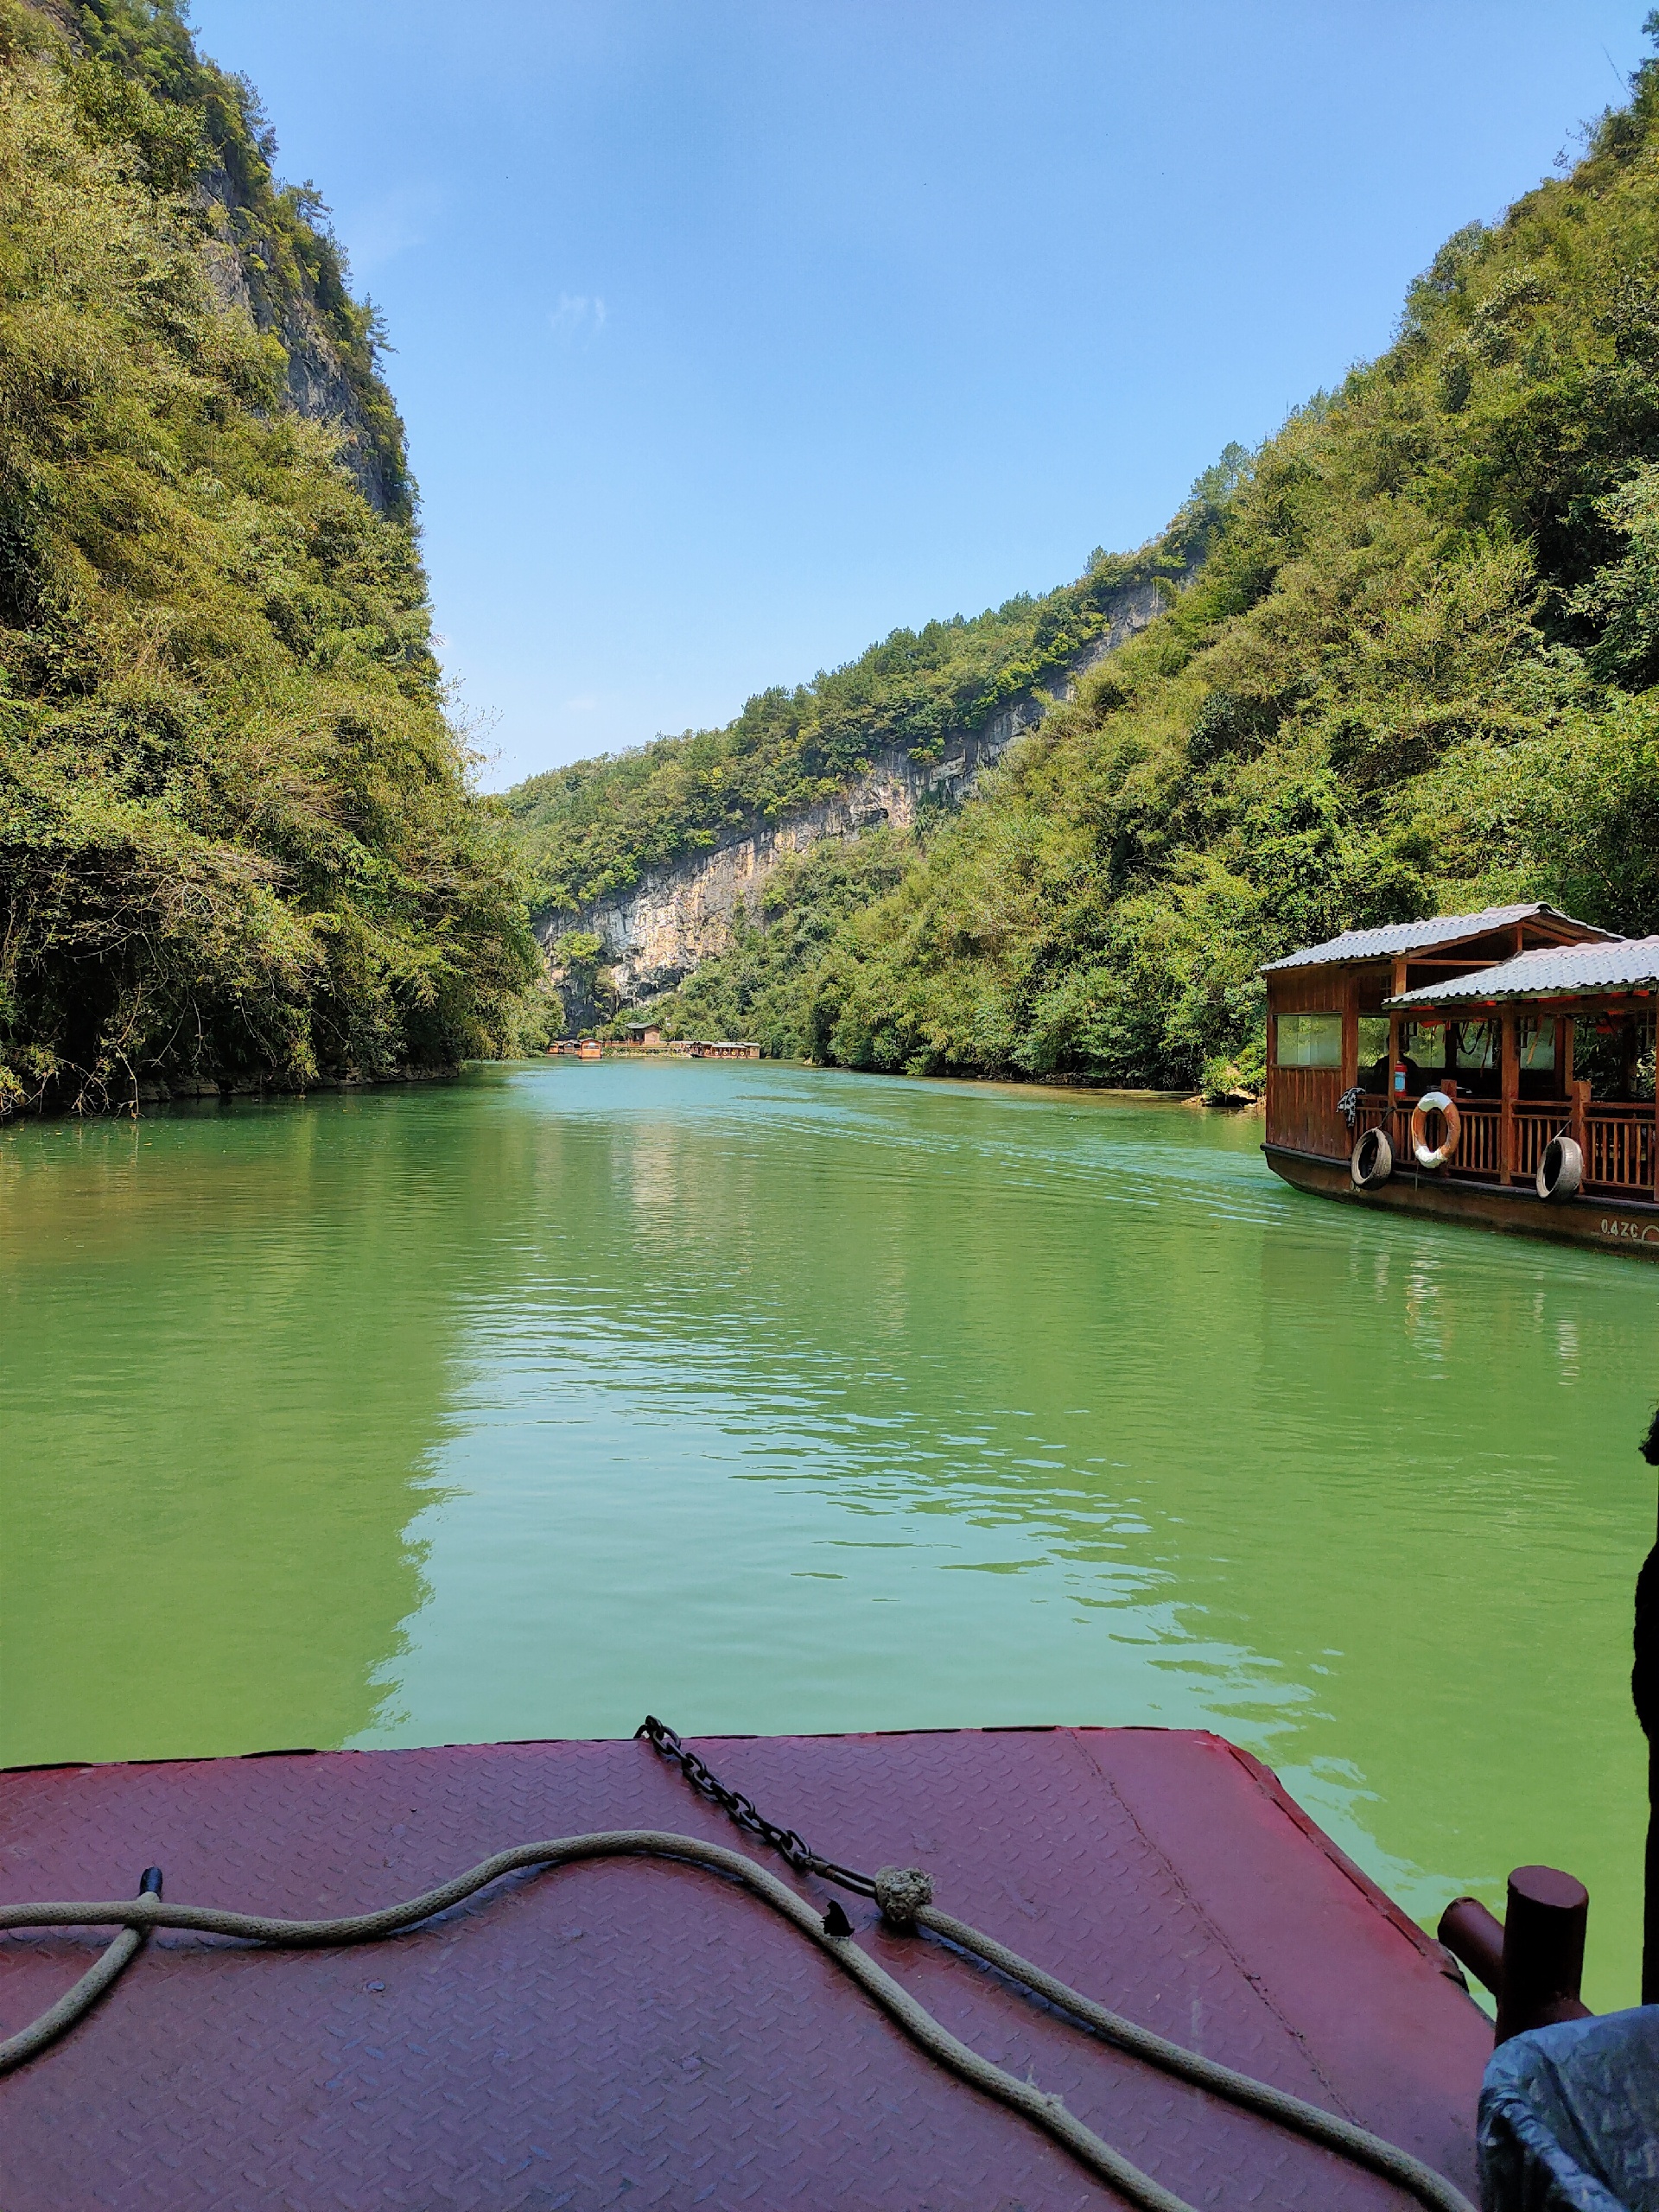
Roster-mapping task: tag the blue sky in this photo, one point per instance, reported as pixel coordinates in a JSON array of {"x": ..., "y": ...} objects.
[{"x": 731, "y": 336}]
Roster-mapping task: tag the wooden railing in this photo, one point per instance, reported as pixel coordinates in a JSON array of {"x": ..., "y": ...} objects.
[
  {"x": 1618, "y": 1140},
  {"x": 1480, "y": 1148},
  {"x": 1619, "y": 1148},
  {"x": 1534, "y": 1125}
]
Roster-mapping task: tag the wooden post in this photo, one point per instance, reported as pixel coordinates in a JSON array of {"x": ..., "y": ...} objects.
[
  {"x": 1349, "y": 1030},
  {"x": 1564, "y": 1054},
  {"x": 1396, "y": 1065},
  {"x": 1270, "y": 1088},
  {"x": 1508, "y": 1082},
  {"x": 1579, "y": 1091}
]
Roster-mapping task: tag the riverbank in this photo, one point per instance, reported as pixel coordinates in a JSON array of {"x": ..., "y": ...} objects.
[
  {"x": 190, "y": 1090},
  {"x": 1060, "y": 1084}
]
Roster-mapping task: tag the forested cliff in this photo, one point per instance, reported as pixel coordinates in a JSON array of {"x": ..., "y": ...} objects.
[
  {"x": 1415, "y": 670},
  {"x": 598, "y": 826},
  {"x": 237, "y": 839},
  {"x": 1408, "y": 659}
]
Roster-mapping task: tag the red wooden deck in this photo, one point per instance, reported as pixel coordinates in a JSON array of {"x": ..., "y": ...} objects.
[{"x": 633, "y": 2034}]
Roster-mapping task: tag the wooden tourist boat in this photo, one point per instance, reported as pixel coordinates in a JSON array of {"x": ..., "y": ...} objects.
[{"x": 1494, "y": 1067}]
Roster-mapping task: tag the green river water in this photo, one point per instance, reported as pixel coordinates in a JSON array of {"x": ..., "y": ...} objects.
[{"x": 772, "y": 1400}]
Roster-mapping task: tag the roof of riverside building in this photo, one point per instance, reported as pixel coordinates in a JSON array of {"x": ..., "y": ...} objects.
[
  {"x": 1625, "y": 963},
  {"x": 1396, "y": 938}
]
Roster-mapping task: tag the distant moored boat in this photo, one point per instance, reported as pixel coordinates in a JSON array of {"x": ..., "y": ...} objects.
[{"x": 1494, "y": 1067}]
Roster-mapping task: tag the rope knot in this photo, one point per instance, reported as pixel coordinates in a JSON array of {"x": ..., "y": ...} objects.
[{"x": 901, "y": 1891}]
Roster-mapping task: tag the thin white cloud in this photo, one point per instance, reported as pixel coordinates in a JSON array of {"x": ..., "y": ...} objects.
[
  {"x": 379, "y": 229},
  {"x": 578, "y": 314}
]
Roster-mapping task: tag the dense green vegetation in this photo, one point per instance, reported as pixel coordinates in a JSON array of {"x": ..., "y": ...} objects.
[
  {"x": 237, "y": 839},
  {"x": 594, "y": 826},
  {"x": 1410, "y": 659},
  {"x": 1416, "y": 672}
]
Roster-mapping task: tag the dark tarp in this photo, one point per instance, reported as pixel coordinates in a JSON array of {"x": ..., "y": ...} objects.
[{"x": 1569, "y": 2117}]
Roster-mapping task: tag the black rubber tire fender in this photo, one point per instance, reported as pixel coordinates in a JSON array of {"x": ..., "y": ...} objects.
[
  {"x": 1371, "y": 1161},
  {"x": 1560, "y": 1169}
]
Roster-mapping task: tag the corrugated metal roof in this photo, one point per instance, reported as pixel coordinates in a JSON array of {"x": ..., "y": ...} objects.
[
  {"x": 1630, "y": 963},
  {"x": 1417, "y": 936}
]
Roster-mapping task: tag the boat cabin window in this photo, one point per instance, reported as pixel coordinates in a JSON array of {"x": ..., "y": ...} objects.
[
  {"x": 1614, "y": 1054},
  {"x": 1476, "y": 1044},
  {"x": 1476, "y": 1048},
  {"x": 1423, "y": 1047},
  {"x": 1374, "y": 1050},
  {"x": 1534, "y": 1042},
  {"x": 1309, "y": 1040}
]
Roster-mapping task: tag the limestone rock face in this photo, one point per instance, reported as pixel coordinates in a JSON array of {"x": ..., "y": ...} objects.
[
  {"x": 661, "y": 929},
  {"x": 319, "y": 382}
]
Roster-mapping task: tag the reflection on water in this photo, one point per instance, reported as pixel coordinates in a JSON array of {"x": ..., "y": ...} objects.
[{"x": 772, "y": 1400}]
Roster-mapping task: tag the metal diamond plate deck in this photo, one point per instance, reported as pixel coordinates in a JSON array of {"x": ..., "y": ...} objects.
[{"x": 641, "y": 2035}]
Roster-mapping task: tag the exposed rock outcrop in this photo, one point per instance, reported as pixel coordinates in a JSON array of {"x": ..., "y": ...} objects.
[
  {"x": 319, "y": 382},
  {"x": 660, "y": 928}
]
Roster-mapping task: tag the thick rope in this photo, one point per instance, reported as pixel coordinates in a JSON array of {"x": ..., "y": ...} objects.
[
  {"x": 137, "y": 1917},
  {"x": 1340, "y": 2135},
  {"x": 73, "y": 2002},
  {"x": 140, "y": 1914}
]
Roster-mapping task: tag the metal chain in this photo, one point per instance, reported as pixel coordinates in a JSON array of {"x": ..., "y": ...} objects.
[
  {"x": 743, "y": 1811},
  {"x": 1342, "y": 2135}
]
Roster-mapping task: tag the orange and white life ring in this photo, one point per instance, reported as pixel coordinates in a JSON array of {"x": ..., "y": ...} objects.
[{"x": 1435, "y": 1101}]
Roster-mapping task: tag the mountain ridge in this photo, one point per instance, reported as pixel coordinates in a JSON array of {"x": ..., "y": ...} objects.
[
  {"x": 1417, "y": 670},
  {"x": 657, "y": 931}
]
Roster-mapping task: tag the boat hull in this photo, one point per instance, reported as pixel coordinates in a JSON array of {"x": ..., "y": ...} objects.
[{"x": 1628, "y": 1225}]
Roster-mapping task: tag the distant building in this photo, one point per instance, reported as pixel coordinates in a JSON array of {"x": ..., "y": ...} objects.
[
  {"x": 646, "y": 1033},
  {"x": 726, "y": 1048},
  {"x": 589, "y": 1049}
]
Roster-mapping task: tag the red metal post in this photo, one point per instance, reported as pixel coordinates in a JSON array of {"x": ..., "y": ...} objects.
[
  {"x": 1543, "y": 1951},
  {"x": 1476, "y": 1936}
]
